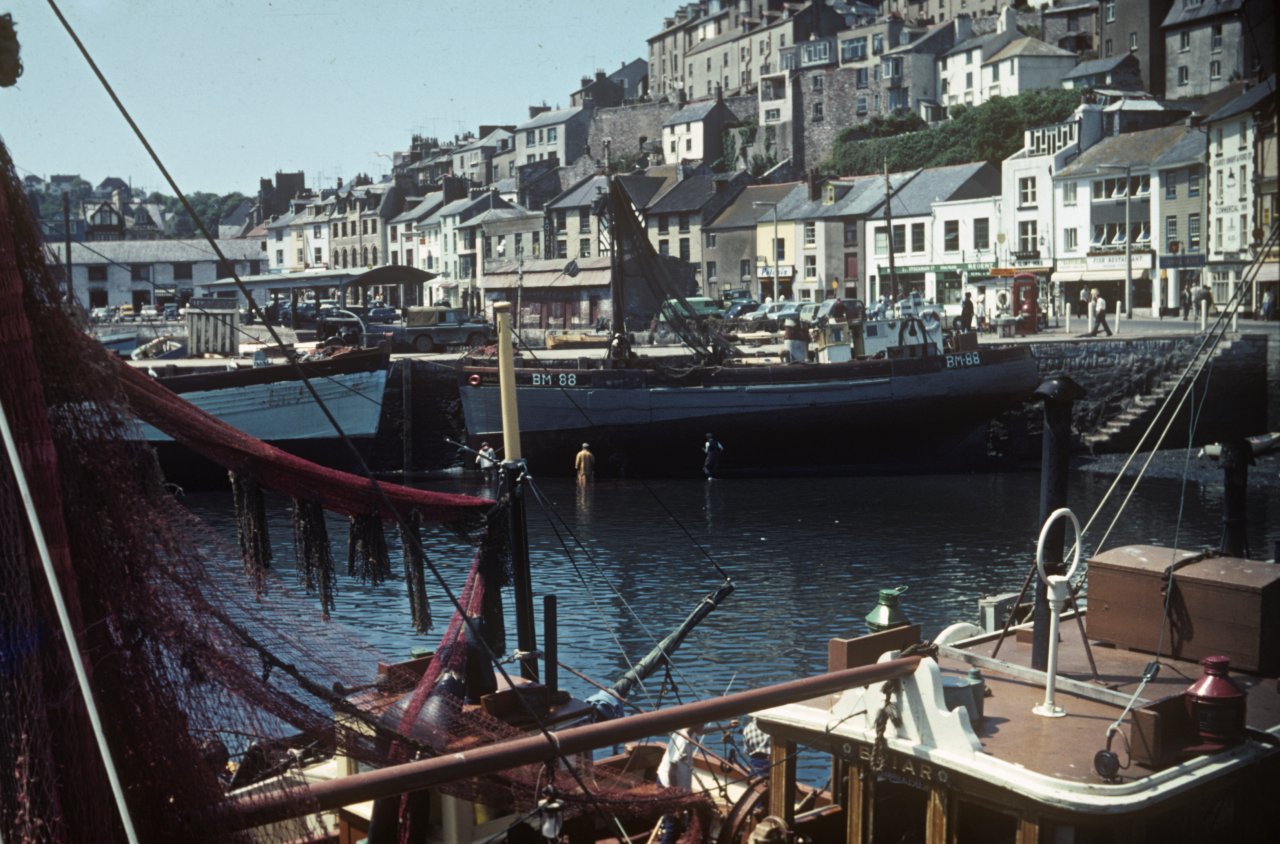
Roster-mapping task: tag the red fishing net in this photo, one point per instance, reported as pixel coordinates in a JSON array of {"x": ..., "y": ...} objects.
[{"x": 186, "y": 667}]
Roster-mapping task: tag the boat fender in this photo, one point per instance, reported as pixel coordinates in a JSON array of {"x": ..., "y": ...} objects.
[{"x": 474, "y": 380}]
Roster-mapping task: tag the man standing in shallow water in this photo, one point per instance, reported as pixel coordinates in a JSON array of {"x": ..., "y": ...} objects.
[{"x": 585, "y": 464}]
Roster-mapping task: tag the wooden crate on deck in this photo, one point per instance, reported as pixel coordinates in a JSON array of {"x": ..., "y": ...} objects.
[{"x": 1220, "y": 606}]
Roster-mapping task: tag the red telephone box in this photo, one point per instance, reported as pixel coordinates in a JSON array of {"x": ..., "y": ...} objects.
[{"x": 1026, "y": 303}]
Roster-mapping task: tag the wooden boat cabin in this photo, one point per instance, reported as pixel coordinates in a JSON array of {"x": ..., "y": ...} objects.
[{"x": 957, "y": 753}]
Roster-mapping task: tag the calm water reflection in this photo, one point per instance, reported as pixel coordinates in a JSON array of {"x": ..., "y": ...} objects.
[{"x": 629, "y": 560}]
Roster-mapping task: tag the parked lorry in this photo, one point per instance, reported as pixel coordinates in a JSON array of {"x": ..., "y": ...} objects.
[{"x": 428, "y": 328}]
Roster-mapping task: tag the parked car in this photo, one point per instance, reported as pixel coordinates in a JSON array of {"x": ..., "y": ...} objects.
[
  {"x": 170, "y": 312},
  {"x": 769, "y": 317},
  {"x": 699, "y": 307},
  {"x": 99, "y": 314},
  {"x": 148, "y": 312},
  {"x": 740, "y": 308},
  {"x": 842, "y": 309},
  {"x": 125, "y": 313}
]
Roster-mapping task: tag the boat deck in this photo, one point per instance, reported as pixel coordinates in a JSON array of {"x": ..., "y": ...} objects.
[{"x": 1064, "y": 747}]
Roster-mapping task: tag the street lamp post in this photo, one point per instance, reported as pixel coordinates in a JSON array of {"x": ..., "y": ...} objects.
[
  {"x": 1128, "y": 236},
  {"x": 773, "y": 250}
]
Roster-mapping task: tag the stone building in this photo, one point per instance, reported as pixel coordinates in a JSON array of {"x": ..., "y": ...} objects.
[
  {"x": 1212, "y": 43},
  {"x": 1134, "y": 27}
]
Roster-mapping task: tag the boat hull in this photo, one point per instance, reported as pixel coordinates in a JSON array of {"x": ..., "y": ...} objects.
[
  {"x": 925, "y": 414},
  {"x": 273, "y": 404}
]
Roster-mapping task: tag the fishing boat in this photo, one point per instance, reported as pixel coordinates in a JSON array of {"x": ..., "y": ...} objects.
[
  {"x": 273, "y": 404},
  {"x": 918, "y": 403}
]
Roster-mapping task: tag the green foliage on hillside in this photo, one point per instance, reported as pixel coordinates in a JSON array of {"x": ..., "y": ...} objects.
[
  {"x": 210, "y": 207},
  {"x": 989, "y": 132}
]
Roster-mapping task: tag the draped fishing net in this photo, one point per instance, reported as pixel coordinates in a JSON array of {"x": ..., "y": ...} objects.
[{"x": 189, "y": 668}]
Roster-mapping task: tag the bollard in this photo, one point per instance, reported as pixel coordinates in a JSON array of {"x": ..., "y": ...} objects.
[
  {"x": 1119, "y": 312},
  {"x": 1204, "y": 316}
]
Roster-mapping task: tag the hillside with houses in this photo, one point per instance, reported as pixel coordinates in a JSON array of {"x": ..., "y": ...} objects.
[{"x": 788, "y": 150}]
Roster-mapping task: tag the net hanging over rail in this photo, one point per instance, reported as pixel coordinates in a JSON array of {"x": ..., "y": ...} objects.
[{"x": 184, "y": 665}]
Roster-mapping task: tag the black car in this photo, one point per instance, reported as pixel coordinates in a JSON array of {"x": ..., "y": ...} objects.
[{"x": 740, "y": 308}]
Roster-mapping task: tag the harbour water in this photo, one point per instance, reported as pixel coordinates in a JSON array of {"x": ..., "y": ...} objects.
[{"x": 629, "y": 560}]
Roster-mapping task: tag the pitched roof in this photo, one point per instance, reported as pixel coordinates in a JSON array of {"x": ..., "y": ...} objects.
[
  {"x": 420, "y": 210},
  {"x": 1089, "y": 68},
  {"x": 550, "y": 118},
  {"x": 916, "y": 197},
  {"x": 1029, "y": 47},
  {"x": 1137, "y": 149},
  {"x": 642, "y": 187},
  {"x": 582, "y": 193},
  {"x": 1247, "y": 101},
  {"x": 693, "y": 113},
  {"x": 743, "y": 213},
  {"x": 160, "y": 251},
  {"x": 980, "y": 42},
  {"x": 691, "y": 193},
  {"x": 1181, "y": 14},
  {"x": 1187, "y": 149}
]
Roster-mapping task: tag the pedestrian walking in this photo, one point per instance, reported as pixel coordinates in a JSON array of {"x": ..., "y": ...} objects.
[
  {"x": 1269, "y": 305},
  {"x": 1099, "y": 305},
  {"x": 713, "y": 451},
  {"x": 966, "y": 313},
  {"x": 585, "y": 464},
  {"x": 1186, "y": 301}
]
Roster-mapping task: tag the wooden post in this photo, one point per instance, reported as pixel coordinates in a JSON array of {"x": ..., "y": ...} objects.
[
  {"x": 406, "y": 414},
  {"x": 1028, "y": 830},
  {"x": 935, "y": 828},
  {"x": 856, "y": 802},
  {"x": 782, "y": 780}
]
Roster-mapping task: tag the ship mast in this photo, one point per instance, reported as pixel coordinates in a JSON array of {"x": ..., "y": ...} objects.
[
  {"x": 618, "y": 326},
  {"x": 888, "y": 227}
]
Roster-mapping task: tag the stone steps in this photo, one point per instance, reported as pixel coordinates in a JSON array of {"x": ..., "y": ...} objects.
[{"x": 1140, "y": 410}]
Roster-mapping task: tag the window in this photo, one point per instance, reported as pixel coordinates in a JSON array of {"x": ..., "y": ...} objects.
[
  {"x": 1217, "y": 234},
  {"x": 1215, "y": 69},
  {"x": 817, "y": 84},
  {"x": 1027, "y": 191},
  {"x": 1170, "y": 179},
  {"x": 1027, "y": 237},
  {"x": 853, "y": 50},
  {"x": 1184, "y": 41},
  {"x": 711, "y": 270},
  {"x": 1133, "y": 42},
  {"x": 1216, "y": 36},
  {"x": 881, "y": 241},
  {"x": 817, "y": 112},
  {"x": 688, "y": 144},
  {"x": 1106, "y": 48},
  {"x": 140, "y": 272},
  {"x": 877, "y": 44},
  {"x": 1218, "y": 151},
  {"x": 1193, "y": 232},
  {"x": 1243, "y": 134},
  {"x": 584, "y": 220},
  {"x": 815, "y": 51},
  {"x": 279, "y": 235},
  {"x": 684, "y": 249},
  {"x": 1109, "y": 10},
  {"x": 968, "y": 80},
  {"x": 810, "y": 233},
  {"x": 99, "y": 273},
  {"x": 1221, "y": 181},
  {"x": 393, "y": 233},
  {"x": 561, "y": 221},
  {"x": 584, "y": 247},
  {"x": 951, "y": 236},
  {"x": 779, "y": 250},
  {"x": 664, "y": 247},
  {"x": 302, "y": 256},
  {"x": 1193, "y": 184},
  {"x": 1170, "y": 231},
  {"x": 181, "y": 271},
  {"x": 860, "y": 106},
  {"x": 1244, "y": 185},
  {"x": 530, "y": 138},
  {"x": 280, "y": 257},
  {"x": 981, "y": 233},
  {"x": 850, "y": 234},
  {"x": 1070, "y": 239},
  {"x": 995, "y": 72},
  {"x": 318, "y": 257},
  {"x": 1184, "y": 75},
  {"x": 1069, "y": 193},
  {"x": 744, "y": 268},
  {"x": 810, "y": 266}
]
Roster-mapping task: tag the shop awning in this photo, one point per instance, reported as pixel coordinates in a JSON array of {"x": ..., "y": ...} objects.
[{"x": 1089, "y": 276}]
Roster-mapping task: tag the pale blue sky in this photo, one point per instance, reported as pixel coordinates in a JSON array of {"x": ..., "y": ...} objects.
[{"x": 229, "y": 91}]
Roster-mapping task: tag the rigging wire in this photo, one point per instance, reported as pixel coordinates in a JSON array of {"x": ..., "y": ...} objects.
[
  {"x": 360, "y": 462},
  {"x": 1201, "y": 360}
]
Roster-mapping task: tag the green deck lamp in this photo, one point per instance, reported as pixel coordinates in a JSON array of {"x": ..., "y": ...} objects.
[{"x": 887, "y": 614}]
